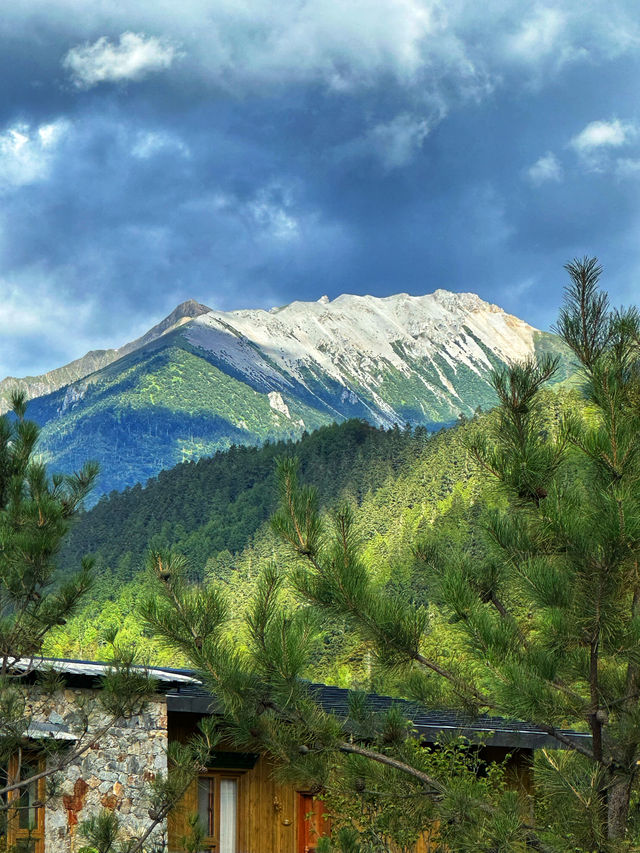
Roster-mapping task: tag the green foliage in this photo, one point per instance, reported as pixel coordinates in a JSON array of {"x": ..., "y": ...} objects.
[
  {"x": 215, "y": 512},
  {"x": 376, "y": 810},
  {"x": 376, "y": 774},
  {"x": 542, "y": 604},
  {"x": 155, "y": 408},
  {"x": 36, "y": 512},
  {"x": 192, "y": 842},
  {"x": 101, "y": 831},
  {"x": 35, "y": 515},
  {"x": 219, "y": 503}
]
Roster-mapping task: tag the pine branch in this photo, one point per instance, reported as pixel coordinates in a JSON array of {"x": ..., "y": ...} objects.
[{"x": 381, "y": 758}]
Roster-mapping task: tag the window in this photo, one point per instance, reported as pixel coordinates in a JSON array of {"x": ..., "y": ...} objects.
[
  {"x": 25, "y": 815},
  {"x": 218, "y": 811}
]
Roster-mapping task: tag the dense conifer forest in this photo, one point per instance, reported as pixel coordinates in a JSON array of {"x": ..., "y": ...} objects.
[
  {"x": 216, "y": 513},
  {"x": 218, "y": 503}
]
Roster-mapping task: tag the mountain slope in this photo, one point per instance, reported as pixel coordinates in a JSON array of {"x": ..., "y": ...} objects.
[
  {"x": 215, "y": 512},
  {"x": 399, "y": 358},
  {"x": 36, "y": 386},
  {"x": 203, "y": 380},
  {"x": 219, "y": 503}
]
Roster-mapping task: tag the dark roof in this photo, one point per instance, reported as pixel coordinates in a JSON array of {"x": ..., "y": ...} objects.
[
  {"x": 88, "y": 671},
  {"x": 432, "y": 725},
  {"x": 185, "y": 693}
]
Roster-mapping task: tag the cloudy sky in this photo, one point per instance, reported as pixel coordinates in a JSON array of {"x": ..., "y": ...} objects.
[{"x": 250, "y": 152}]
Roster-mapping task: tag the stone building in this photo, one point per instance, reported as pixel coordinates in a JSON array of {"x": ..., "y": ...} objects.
[
  {"x": 113, "y": 763},
  {"x": 242, "y": 807}
]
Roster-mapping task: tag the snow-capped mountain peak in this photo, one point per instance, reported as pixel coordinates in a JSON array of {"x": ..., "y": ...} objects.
[{"x": 355, "y": 340}]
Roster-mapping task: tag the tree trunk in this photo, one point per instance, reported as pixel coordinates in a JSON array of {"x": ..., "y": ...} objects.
[{"x": 618, "y": 793}]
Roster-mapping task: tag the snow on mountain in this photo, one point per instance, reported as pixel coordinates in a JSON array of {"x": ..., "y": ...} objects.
[
  {"x": 356, "y": 340},
  {"x": 202, "y": 380},
  {"x": 363, "y": 329}
]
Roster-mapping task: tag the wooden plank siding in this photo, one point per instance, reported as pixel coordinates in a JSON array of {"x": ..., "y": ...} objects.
[
  {"x": 271, "y": 814},
  {"x": 267, "y": 810},
  {"x": 267, "y": 820}
]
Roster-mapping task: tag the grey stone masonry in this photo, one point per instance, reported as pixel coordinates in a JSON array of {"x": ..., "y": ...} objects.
[{"x": 114, "y": 773}]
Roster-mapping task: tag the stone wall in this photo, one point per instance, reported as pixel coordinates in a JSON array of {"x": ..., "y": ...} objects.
[{"x": 114, "y": 773}]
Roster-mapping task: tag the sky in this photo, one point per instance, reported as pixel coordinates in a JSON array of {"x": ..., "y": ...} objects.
[{"x": 246, "y": 153}]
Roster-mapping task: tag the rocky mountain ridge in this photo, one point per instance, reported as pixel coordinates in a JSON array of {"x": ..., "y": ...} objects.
[
  {"x": 46, "y": 383},
  {"x": 352, "y": 338},
  {"x": 202, "y": 380}
]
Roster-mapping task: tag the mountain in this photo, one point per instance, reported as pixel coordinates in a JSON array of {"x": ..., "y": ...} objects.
[
  {"x": 203, "y": 380},
  {"x": 36, "y": 386},
  {"x": 215, "y": 512},
  {"x": 394, "y": 359}
]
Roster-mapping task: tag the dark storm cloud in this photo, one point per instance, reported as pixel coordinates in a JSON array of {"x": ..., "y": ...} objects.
[{"x": 246, "y": 156}]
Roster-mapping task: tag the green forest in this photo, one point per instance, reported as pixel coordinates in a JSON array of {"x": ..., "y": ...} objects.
[
  {"x": 512, "y": 590},
  {"x": 489, "y": 569},
  {"x": 216, "y": 511}
]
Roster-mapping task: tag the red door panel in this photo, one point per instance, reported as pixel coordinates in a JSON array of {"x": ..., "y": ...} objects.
[{"x": 312, "y": 823}]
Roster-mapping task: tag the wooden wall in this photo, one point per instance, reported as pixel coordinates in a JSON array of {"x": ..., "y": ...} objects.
[
  {"x": 269, "y": 813},
  {"x": 267, "y": 810}
]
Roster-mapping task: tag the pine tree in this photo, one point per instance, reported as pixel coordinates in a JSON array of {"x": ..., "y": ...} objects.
[
  {"x": 371, "y": 767},
  {"x": 542, "y": 610},
  {"x": 547, "y": 613},
  {"x": 36, "y": 512},
  {"x": 554, "y": 606}
]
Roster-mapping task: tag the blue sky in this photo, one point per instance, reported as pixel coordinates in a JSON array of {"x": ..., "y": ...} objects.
[{"x": 245, "y": 153}]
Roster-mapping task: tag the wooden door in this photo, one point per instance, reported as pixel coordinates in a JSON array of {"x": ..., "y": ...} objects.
[{"x": 312, "y": 823}]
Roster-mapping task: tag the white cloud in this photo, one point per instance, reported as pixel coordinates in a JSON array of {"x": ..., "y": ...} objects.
[
  {"x": 149, "y": 144},
  {"x": 52, "y": 133},
  {"x": 544, "y": 42},
  {"x": 397, "y": 142},
  {"x": 133, "y": 57},
  {"x": 26, "y": 152},
  {"x": 22, "y": 316},
  {"x": 259, "y": 43},
  {"x": 450, "y": 45},
  {"x": 538, "y": 35},
  {"x": 272, "y": 211},
  {"x": 394, "y": 143},
  {"x": 344, "y": 46},
  {"x": 453, "y": 49},
  {"x": 596, "y": 143},
  {"x": 602, "y": 134},
  {"x": 546, "y": 169},
  {"x": 270, "y": 216},
  {"x": 35, "y": 307},
  {"x": 627, "y": 167},
  {"x": 274, "y": 220}
]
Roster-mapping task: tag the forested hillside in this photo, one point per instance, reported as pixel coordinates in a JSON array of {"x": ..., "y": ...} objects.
[
  {"x": 215, "y": 512},
  {"x": 218, "y": 503}
]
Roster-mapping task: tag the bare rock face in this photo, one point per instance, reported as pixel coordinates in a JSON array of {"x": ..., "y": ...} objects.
[{"x": 358, "y": 342}]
